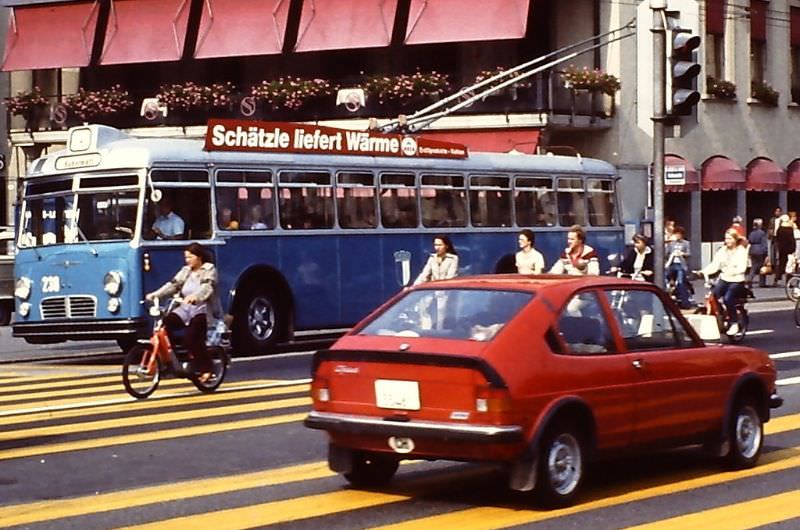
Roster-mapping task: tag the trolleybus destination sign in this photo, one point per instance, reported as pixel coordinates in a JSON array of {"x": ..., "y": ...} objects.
[{"x": 283, "y": 137}]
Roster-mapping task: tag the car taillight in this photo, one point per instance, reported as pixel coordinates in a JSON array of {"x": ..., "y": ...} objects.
[
  {"x": 320, "y": 390},
  {"x": 492, "y": 400}
]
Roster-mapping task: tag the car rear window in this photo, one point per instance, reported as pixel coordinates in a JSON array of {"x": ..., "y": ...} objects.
[{"x": 468, "y": 314}]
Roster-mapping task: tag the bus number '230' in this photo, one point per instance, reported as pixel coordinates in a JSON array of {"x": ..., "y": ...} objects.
[{"x": 51, "y": 284}]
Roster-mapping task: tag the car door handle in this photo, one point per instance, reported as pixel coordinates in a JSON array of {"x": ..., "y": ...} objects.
[{"x": 638, "y": 364}]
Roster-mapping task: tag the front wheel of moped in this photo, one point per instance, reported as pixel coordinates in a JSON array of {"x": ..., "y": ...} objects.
[{"x": 140, "y": 380}]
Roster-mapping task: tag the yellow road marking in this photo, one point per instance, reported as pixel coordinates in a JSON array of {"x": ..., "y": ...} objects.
[
  {"x": 115, "y": 387},
  {"x": 123, "y": 397},
  {"x": 165, "y": 417},
  {"x": 75, "y": 382},
  {"x": 35, "y": 512},
  {"x": 152, "y": 403},
  {"x": 165, "y": 434},
  {"x": 739, "y": 516},
  {"x": 277, "y": 512}
]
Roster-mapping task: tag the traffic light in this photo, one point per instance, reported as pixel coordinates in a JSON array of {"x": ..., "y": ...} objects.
[{"x": 682, "y": 94}]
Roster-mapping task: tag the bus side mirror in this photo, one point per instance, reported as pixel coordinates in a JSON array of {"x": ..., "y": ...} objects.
[{"x": 156, "y": 195}]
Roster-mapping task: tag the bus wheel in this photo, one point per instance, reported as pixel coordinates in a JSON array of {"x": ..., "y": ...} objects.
[{"x": 258, "y": 321}]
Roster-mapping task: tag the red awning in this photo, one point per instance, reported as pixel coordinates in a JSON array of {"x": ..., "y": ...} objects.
[
  {"x": 722, "y": 173},
  {"x": 692, "y": 176},
  {"x": 50, "y": 36},
  {"x": 341, "y": 24},
  {"x": 230, "y": 28},
  {"x": 793, "y": 176},
  {"x": 765, "y": 175},
  {"x": 758, "y": 20},
  {"x": 466, "y": 20},
  {"x": 715, "y": 17},
  {"x": 141, "y": 31},
  {"x": 493, "y": 141}
]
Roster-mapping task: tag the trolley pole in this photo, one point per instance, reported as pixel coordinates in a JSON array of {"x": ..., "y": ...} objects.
[{"x": 658, "y": 8}]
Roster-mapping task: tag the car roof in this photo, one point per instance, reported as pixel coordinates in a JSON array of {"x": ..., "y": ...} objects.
[{"x": 530, "y": 282}]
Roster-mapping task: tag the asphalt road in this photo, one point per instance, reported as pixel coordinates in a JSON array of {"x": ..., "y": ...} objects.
[{"x": 76, "y": 452}]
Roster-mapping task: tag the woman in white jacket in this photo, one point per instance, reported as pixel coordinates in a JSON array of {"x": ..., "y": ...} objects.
[
  {"x": 442, "y": 264},
  {"x": 731, "y": 262}
]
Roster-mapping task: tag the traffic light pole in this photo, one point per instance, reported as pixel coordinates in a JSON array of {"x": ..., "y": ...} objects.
[{"x": 658, "y": 8}]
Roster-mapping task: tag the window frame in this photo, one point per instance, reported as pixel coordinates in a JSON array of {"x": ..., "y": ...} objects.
[
  {"x": 299, "y": 185},
  {"x": 270, "y": 184},
  {"x": 508, "y": 190},
  {"x": 355, "y": 186},
  {"x": 414, "y": 186},
  {"x": 444, "y": 187}
]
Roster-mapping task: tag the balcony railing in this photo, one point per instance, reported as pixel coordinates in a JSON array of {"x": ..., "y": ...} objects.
[{"x": 542, "y": 94}]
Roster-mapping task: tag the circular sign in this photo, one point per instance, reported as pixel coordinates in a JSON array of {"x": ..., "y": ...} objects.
[
  {"x": 151, "y": 111},
  {"x": 59, "y": 114},
  {"x": 247, "y": 106},
  {"x": 409, "y": 146}
]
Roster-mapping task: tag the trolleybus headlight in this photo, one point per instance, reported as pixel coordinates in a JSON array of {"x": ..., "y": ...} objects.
[
  {"x": 23, "y": 309},
  {"x": 22, "y": 288},
  {"x": 112, "y": 283},
  {"x": 113, "y": 305}
]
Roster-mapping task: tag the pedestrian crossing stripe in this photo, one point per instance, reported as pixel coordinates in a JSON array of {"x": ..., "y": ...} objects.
[{"x": 74, "y": 383}]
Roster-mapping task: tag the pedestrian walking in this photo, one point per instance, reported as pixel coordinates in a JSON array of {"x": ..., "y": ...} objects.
[
  {"x": 784, "y": 238},
  {"x": 677, "y": 253},
  {"x": 528, "y": 259},
  {"x": 759, "y": 246},
  {"x": 772, "y": 231}
]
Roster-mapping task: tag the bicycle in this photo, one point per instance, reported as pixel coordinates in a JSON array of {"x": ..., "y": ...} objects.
[
  {"x": 713, "y": 306},
  {"x": 146, "y": 362}
]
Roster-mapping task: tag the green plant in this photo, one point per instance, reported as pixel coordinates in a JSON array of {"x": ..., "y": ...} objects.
[
  {"x": 86, "y": 104},
  {"x": 406, "y": 87},
  {"x": 590, "y": 79},
  {"x": 24, "y": 103},
  {"x": 189, "y": 95},
  {"x": 720, "y": 88},
  {"x": 290, "y": 92},
  {"x": 486, "y": 74},
  {"x": 763, "y": 91}
]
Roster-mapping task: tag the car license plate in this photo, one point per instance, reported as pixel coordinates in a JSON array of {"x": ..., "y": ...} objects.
[{"x": 402, "y": 395}]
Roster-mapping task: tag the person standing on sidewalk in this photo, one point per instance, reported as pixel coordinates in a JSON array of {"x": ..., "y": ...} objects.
[
  {"x": 772, "y": 231},
  {"x": 758, "y": 252},
  {"x": 784, "y": 238}
]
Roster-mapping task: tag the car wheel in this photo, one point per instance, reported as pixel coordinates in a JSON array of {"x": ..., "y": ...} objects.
[
  {"x": 258, "y": 321},
  {"x": 745, "y": 435},
  {"x": 561, "y": 465},
  {"x": 371, "y": 469}
]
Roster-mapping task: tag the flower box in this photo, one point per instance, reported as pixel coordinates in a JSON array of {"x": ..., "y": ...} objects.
[
  {"x": 91, "y": 105},
  {"x": 763, "y": 92},
  {"x": 593, "y": 80},
  {"x": 721, "y": 89},
  {"x": 406, "y": 89},
  {"x": 291, "y": 93}
]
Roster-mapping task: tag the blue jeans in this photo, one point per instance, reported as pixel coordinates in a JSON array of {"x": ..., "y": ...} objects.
[
  {"x": 677, "y": 271},
  {"x": 729, "y": 292}
]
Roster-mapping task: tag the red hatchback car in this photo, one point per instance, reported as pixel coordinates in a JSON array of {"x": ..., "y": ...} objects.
[{"x": 540, "y": 373}]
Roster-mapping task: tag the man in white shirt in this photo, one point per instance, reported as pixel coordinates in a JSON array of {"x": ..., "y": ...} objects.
[{"x": 168, "y": 224}]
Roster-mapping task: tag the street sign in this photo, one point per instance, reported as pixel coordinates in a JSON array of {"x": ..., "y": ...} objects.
[{"x": 674, "y": 175}]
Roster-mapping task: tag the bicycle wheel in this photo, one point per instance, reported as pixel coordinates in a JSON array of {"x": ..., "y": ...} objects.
[
  {"x": 219, "y": 360},
  {"x": 793, "y": 288},
  {"x": 138, "y": 382}
]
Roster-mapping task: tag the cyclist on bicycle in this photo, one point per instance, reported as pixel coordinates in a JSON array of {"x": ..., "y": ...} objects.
[
  {"x": 196, "y": 282},
  {"x": 578, "y": 258},
  {"x": 638, "y": 262},
  {"x": 731, "y": 262}
]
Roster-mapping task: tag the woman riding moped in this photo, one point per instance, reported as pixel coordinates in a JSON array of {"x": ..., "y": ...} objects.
[{"x": 731, "y": 262}]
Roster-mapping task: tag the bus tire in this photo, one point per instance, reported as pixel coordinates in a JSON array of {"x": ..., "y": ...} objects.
[{"x": 258, "y": 321}]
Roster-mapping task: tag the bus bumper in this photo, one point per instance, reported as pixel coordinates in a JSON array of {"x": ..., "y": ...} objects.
[{"x": 64, "y": 330}]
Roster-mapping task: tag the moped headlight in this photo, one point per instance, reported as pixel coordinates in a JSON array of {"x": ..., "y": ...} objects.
[
  {"x": 112, "y": 283},
  {"x": 22, "y": 288}
]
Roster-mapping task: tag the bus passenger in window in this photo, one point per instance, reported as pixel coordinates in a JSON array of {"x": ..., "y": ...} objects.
[
  {"x": 196, "y": 283},
  {"x": 442, "y": 264},
  {"x": 256, "y": 218},
  {"x": 578, "y": 258},
  {"x": 528, "y": 259},
  {"x": 226, "y": 220},
  {"x": 168, "y": 224}
]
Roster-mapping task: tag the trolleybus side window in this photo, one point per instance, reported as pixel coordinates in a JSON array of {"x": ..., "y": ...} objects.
[
  {"x": 571, "y": 202},
  {"x": 398, "y": 198},
  {"x": 490, "y": 200},
  {"x": 188, "y": 193},
  {"x": 305, "y": 200},
  {"x": 245, "y": 200},
  {"x": 535, "y": 201},
  {"x": 444, "y": 201},
  {"x": 600, "y": 196},
  {"x": 355, "y": 200}
]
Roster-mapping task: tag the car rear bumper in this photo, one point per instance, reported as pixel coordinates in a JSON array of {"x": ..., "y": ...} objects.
[
  {"x": 351, "y": 424},
  {"x": 63, "y": 330}
]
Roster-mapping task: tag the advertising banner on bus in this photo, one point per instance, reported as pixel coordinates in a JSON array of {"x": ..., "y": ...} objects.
[{"x": 284, "y": 137}]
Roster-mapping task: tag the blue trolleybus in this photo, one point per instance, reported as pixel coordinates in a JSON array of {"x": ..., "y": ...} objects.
[{"x": 310, "y": 227}]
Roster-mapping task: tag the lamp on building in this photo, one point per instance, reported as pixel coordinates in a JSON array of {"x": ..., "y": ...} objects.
[{"x": 152, "y": 109}]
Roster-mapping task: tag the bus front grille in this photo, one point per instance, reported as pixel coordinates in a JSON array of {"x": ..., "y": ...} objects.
[{"x": 69, "y": 307}]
